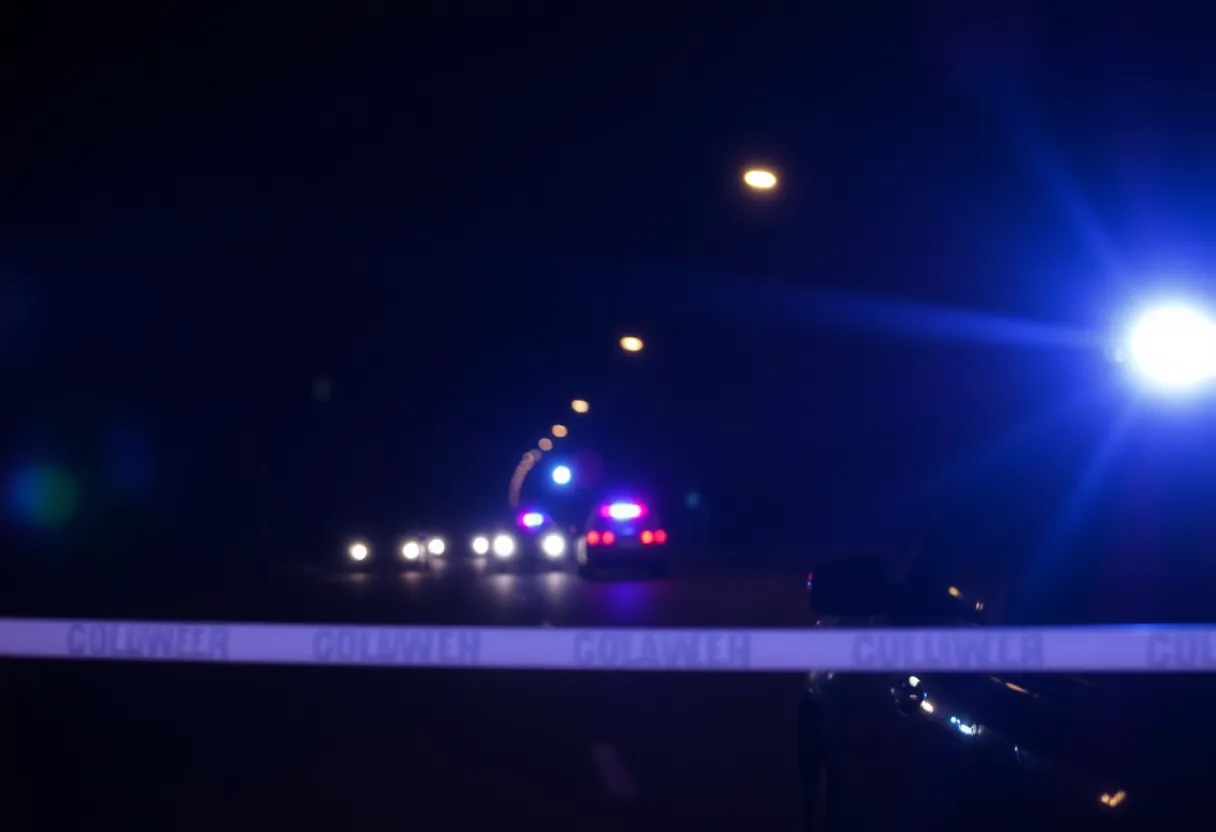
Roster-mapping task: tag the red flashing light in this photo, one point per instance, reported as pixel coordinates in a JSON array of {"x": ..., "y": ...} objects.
[
  {"x": 609, "y": 538},
  {"x": 593, "y": 538},
  {"x": 660, "y": 536}
]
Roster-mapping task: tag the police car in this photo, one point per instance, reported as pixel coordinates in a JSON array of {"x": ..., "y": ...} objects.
[
  {"x": 534, "y": 540},
  {"x": 624, "y": 534}
]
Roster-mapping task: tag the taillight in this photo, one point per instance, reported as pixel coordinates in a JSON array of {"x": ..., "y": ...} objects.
[
  {"x": 609, "y": 538},
  {"x": 660, "y": 536},
  {"x": 593, "y": 538},
  {"x": 648, "y": 536}
]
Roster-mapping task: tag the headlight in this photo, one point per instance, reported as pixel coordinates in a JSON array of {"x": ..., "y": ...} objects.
[
  {"x": 411, "y": 550},
  {"x": 436, "y": 546},
  {"x": 358, "y": 551},
  {"x": 553, "y": 545},
  {"x": 481, "y": 545},
  {"x": 504, "y": 545}
]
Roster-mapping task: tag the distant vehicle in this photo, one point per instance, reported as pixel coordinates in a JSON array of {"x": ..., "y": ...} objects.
[
  {"x": 533, "y": 540},
  {"x": 420, "y": 551},
  {"x": 416, "y": 551},
  {"x": 626, "y": 534}
]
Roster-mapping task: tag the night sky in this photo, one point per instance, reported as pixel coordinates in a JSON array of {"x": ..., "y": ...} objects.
[{"x": 358, "y": 262}]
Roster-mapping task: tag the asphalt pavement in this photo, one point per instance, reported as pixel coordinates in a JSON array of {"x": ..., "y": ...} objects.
[{"x": 153, "y": 746}]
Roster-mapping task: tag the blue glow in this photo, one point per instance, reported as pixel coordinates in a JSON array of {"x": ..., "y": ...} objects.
[
  {"x": 45, "y": 495},
  {"x": 561, "y": 475},
  {"x": 531, "y": 519}
]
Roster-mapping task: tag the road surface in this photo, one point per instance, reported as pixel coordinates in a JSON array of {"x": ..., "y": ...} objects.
[{"x": 147, "y": 746}]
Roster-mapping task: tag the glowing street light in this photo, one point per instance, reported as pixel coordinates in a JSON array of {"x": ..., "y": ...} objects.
[
  {"x": 631, "y": 343},
  {"x": 759, "y": 179},
  {"x": 559, "y": 431},
  {"x": 579, "y": 406}
]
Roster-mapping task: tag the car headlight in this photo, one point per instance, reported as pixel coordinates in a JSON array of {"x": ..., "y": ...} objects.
[
  {"x": 358, "y": 552},
  {"x": 411, "y": 550},
  {"x": 504, "y": 545},
  {"x": 553, "y": 545},
  {"x": 436, "y": 546},
  {"x": 481, "y": 545}
]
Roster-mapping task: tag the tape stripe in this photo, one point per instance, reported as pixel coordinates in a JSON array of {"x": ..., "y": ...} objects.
[{"x": 1072, "y": 649}]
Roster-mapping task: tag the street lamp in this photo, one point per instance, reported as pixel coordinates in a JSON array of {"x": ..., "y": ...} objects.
[
  {"x": 759, "y": 179},
  {"x": 631, "y": 343}
]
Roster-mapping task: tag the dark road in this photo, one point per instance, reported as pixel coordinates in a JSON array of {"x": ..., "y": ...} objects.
[{"x": 193, "y": 747}]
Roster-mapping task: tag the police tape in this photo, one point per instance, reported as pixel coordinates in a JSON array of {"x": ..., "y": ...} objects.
[{"x": 1071, "y": 649}]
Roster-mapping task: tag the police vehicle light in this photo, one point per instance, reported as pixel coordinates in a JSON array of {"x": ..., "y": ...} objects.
[
  {"x": 531, "y": 519},
  {"x": 622, "y": 511},
  {"x": 553, "y": 545},
  {"x": 436, "y": 546},
  {"x": 561, "y": 475},
  {"x": 481, "y": 545},
  {"x": 411, "y": 550},
  {"x": 358, "y": 551},
  {"x": 1173, "y": 347},
  {"x": 504, "y": 545}
]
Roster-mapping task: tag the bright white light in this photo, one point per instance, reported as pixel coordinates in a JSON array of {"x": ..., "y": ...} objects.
[
  {"x": 761, "y": 180},
  {"x": 436, "y": 546},
  {"x": 481, "y": 545},
  {"x": 504, "y": 545},
  {"x": 623, "y": 511},
  {"x": 358, "y": 551},
  {"x": 631, "y": 343},
  {"x": 553, "y": 545},
  {"x": 561, "y": 475},
  {"x": 1173, "y": 347},
  {"x": 411, "y": 550}
]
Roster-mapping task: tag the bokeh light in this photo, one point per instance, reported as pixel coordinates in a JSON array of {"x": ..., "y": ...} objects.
[
  {"x": 579, "y": 406},
  {"x": 44, "y": 495},
  {"x": 560, "y": 431},
  {"x": 545, "y": 444},
  {"x": 631, "y": 343},
  {"x": 759, "y": 179}
]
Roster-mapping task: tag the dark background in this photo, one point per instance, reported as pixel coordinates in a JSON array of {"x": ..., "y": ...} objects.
[{"x": 451, "y": 213}]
